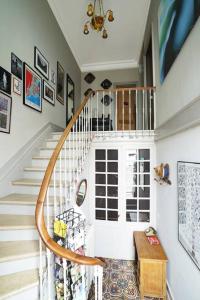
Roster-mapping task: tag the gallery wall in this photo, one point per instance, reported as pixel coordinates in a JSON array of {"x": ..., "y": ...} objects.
[
  {"x": 179, "y": 92},
  {"x": 25, "y": 24}
]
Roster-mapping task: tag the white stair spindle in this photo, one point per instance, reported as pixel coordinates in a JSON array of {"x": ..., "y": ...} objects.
[
  {"x": 103, "y": 113},
  {"x": 97, "y": 124},
  {"x": 60, "y": 181},
  {"x": 123, "y": 109},
  {"x": 150, "y": 108},
  {"x": 110, "y": 111},
  {"x": 143, "y": 113},
  {"x": 41, "y": 270},
  {"x": 136, "y": 114},
  {"x": 129, "y": 109},
  {"x": 65, "y": 278},
  {"x": 116, "y": 112}
]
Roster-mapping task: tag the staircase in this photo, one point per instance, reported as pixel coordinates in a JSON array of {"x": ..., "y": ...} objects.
[{"x": 19, "y": 247}]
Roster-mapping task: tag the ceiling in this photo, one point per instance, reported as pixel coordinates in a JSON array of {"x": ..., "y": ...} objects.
[{"x": 92, "y": 53}]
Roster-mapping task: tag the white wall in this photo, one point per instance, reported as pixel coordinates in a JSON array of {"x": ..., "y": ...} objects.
[
  {"x": 183, "y": 275},
  {"x": 179, "y": 89},
  {"x": 23, "y": 25}
]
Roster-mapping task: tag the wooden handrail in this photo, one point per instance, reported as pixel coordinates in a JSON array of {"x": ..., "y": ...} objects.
[{"x": 39, "y": 212}]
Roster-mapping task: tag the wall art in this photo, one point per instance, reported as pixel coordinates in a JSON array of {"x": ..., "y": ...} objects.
[
  {"x": 53, "y": 77},
  {"x": 48, "y": 93},
  {"x": 17, "y": 87},
  {"x": 40, "y": 63},
  {"x": 5, "y": 112},
  {"x": 60, "y": 83},
  {"x": 106, "y": 84},
  {"x": 32, "y": 89},
  {"x": 70, "y": 98},
  {"x": 5, "y": 81},
  {"x": 16, "y": 66},
  {"x": 176, "y": 19},
  {"x": 89, "y": 78},
  {"x": 188, "y": 187}
]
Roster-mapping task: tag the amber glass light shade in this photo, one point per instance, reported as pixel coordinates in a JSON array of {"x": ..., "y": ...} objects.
[
  {"x": 110, "y": 16},
  {"x": 90, "y": 10},
  {"x": 105, "y": 34},
  {"x": 85, "y": 30},
  {"x": 97, "y": 23}
]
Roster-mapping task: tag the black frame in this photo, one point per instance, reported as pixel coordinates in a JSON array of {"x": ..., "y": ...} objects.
[
  {"x": 43, "y": 95},
  {"x": 8, "y": 132},
  {"x": 8, "y": 74},
  {"x": 69, "y": 80},
  {"x": 58, "y": 97},
  {"x": 46, "y": 75},
  {"x": 24, "y": 86},
  {"x": 185, "y": 162},
  {"x": 77, "y": 192},
  {"x": 12, "y": 71}
]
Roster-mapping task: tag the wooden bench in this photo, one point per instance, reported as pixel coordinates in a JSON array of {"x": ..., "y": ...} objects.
[{"x": 151, "y": 267}]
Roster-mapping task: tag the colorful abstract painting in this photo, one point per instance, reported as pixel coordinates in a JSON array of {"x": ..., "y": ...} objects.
[
  {"x": 176, "y": 19},
  {"x": 32, "y": 89}
]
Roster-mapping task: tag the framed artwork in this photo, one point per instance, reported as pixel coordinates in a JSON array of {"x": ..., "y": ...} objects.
[
  {"x": 16, "y": 66},
  {"x": 32, "y": 89},
  {"x": 60, "y": 83},
  {"x": 48, "y": 93},
  {"x": 53, "y": 77},
  {"x": 5, "y": 81},
  {"x": 40, "y": 63},
  {"x": 70, "y": 93},
  {"x": 176, "y": 19},
  {"x": 5, "y": 112},
  {"x": 17, "y": 86},
  {"x": 188, "y": 187}
]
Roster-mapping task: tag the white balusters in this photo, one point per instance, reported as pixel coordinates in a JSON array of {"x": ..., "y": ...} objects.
[{"x": 98, "y": 281}]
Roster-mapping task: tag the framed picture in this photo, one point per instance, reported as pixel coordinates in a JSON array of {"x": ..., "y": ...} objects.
[
  {"x": 188, "y": 187},
  {"x": 60, "y": 83},
  {"x": 5, "y": 81},
  {"x": 48, "y": 93},
  {"x": 16, "y": 66},
  {"x": 32, "y": 89},
  {"x": 53, "y": 77},
  {"x": 17, "y": 86},
  {"x": 5, "y": 112},
  {"x": 40, "y": 63},
  {"x": 70, "y": 94}
]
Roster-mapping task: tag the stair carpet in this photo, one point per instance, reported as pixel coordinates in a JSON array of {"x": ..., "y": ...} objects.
[{"x": 19, "y": 246}]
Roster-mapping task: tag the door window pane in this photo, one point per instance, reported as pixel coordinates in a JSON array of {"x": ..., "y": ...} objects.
[
  {"x": 112, "y": 179},
  {"x": 144, "y": 179},
  {"x": 112, "y": 215},
  {"x": 144, "y": 154},
  {"x": 131, "y": 217},
  {"x": 100, "y": 203},
  {"x": 100, "y": 167},
  {"x": 100, "y": 178},
  {"x": 100, "y": 190},
  {"x": 144, "y": 217},
  {"x": 131, "y": 204},
  {"x": 112, "y": 191},
  {"x": 112, "y": 167},
  {"x": 144, "y": 204},
  {"x": 144, "y": 167},
  {"x": 112, "y": 154},
  {"x": 100, "y": 154},
  {"x": 100, "y": 214},
  {"x": 112, "y": 203},
  {"x": 144, "y": 192}
]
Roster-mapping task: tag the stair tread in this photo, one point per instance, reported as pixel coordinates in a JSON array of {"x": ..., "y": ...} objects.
[
  {"x": 14, "y": 283},
  {"x": 18, "y": 249},
  {"x": 35, "y": 182},
  {"x": 42, "y": 169},
  {"x": 9, "y": 222},
  {"x": 22, "y": 199},
  {"x": 48, "y": 157}
]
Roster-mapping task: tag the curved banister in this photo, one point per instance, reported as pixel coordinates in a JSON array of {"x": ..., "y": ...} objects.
[{"x": 39, "y": 212}]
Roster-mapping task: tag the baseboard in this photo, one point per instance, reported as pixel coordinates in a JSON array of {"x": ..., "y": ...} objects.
[
  {"x": 169, "y": 292},
  {"x": 14, "y": 167}
]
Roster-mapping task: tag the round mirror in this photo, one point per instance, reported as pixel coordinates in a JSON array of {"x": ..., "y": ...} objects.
[{"x": 81, "y": 192}]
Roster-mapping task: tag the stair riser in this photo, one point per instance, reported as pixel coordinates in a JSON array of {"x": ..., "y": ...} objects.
[
  {"x": 18, "y": 235},
  {"x": 71, "y": 136},
  {"x": 34, "y": 190},
  {"x": 70, "y": 143},
  {"x": 31, "y": 293},
  {"x": 44, "y": 163},
  {"x": 40, "y": 175},
  {"x": 15, "y": 209},
  {"x": 19, "y": 265}
]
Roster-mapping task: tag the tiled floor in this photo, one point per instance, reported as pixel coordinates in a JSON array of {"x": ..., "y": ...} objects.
[{"x": 119, "y": 281}]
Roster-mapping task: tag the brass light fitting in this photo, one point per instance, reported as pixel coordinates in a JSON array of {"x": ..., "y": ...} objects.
[{"x": 97, "y": 22}]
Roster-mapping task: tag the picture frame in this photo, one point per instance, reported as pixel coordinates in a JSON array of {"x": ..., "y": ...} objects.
[
  {"x": 17, "y": 87},
  {"x": 60, "y": 83},
  {"x": 5, "y": 81},
  {"x": 53, "y": 77},
  {"x": 70, "y": 98},
  {"x": 16, "y": 66},
  {"x": 48, "y": 93},
  {"x": 41, "y": 63},
  {"x": 188, "y": 190},
  {"x": 32, "y": 93},
  {"x": 5, "y": 112}
]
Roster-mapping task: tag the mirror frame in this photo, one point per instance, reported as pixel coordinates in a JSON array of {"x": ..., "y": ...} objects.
[{"x": 78, "y": 188}]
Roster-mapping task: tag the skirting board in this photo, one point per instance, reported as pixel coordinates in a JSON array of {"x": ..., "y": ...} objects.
[
  {"x": 14, "y": 167},
  {"x": 169, "y": 292}
]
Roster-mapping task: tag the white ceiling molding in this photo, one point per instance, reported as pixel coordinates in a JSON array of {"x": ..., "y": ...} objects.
[{"x": 111, "y": 65}]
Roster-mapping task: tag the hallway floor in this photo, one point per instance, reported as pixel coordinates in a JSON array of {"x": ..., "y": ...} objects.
[{"x": 119, "y": 281}]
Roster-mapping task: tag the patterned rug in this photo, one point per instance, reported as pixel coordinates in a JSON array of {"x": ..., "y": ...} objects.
[{"x": 119, "y": 281}]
